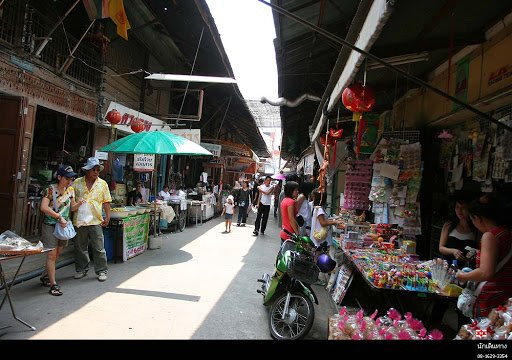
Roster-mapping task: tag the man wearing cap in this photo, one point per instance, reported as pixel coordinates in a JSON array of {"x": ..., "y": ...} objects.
[{"x": 96, "y": 194}]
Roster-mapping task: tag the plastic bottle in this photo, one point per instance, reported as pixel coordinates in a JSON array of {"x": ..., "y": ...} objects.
[{"x": 453, "y": 271}]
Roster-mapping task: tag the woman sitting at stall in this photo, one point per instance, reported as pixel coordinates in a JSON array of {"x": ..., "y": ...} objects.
[
  {"x": 135, "y": 196},
  {"x": 164, "y": 193},
  {"x": 320, "y": 223},
  {"x": 458, "y": 234},
  {"x": 494, "y": 264}
]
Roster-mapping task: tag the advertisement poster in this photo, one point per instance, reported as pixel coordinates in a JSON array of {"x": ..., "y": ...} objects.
[
  {"x": 461, "y": 81},
  {"x": 135, "y": 235},
  {"x": 370, "y": 133}
]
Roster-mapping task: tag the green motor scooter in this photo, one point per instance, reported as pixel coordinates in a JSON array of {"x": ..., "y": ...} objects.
[{"x": 288, "y": 291}]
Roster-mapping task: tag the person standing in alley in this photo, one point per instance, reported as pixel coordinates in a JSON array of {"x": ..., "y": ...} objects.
[
  {"x": 277, "y": 192},
  {"x": 228, "y": 211},
  {"x": 265, "y": 200},
  {"x": 89, "y": 221},
  {"x": 244, "y": 199}
]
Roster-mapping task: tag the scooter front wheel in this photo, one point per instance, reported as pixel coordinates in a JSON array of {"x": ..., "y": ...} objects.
[{"x": 297, "y": 321}]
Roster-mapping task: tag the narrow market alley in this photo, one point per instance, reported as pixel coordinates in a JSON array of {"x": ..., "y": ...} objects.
[{"x": 201, "y": 284}]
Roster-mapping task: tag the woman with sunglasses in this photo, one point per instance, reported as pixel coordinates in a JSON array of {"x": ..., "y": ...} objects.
[{"x": 56, "y": 214}]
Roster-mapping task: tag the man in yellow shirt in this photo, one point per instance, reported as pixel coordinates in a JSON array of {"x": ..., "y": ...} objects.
[{"x": 89, "y": 222}]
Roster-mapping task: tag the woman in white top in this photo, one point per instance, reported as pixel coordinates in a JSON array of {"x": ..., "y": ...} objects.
[
  {"x": 320, "y": 224},
  {"x": 304, "y": 208},
  {"x": 164, "y": 194}
]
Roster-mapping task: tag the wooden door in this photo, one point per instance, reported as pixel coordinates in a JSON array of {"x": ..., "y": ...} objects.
[{"x": 16, "y": 128}]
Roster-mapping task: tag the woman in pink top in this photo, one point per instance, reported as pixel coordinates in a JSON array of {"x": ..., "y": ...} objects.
[
  {"x": 287, "y": 208},
  {"x": 489, "y": 217}
]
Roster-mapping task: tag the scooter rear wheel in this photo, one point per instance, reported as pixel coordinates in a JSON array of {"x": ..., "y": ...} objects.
[{"x": 297, "y": 322}]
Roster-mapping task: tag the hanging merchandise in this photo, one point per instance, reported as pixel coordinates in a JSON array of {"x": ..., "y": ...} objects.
[
  {"x": 446, "y": 149},
  {"x": 357, "y": 185},
  {"x": 482, "y": 151}
]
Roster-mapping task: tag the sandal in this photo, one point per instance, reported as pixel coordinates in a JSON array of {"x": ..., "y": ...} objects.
[
  {"x": 55, "y": 290},
  {"x": 45, "y": 280}
]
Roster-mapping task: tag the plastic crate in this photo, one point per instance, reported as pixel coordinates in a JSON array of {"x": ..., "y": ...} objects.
[
  {"x": 303, "y": 269},
  {"x": 109, "y": 239}
]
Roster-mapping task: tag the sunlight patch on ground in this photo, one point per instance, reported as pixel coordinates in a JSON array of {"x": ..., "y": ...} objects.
[{"x": 175, "y": 299}]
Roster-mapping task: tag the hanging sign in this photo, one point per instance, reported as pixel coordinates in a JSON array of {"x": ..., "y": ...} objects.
[
  {"x": 128, "y": 116},
  {"x": 189, "y": 134},
  {"x": 213, "y": 148},
  {"x": 143, "y": 162},
  {"x": 101, "y": 155}
]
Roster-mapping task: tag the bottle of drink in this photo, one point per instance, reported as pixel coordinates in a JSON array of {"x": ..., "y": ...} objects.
[{"x": 453, "y": 271}]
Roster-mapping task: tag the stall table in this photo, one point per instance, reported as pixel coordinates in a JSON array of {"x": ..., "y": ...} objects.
[
  {"x": 359, "y": 291},
  {"x": 130, "y": 235},
  {"x": 8, "y": 285}
]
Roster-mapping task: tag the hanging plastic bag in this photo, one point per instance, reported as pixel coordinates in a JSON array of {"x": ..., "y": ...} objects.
[{"x": 84, "y": 215}]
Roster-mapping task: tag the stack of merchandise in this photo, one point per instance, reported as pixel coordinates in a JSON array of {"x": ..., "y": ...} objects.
[
  {"x": 357, "y": 185},
  {"x": 496, "y": 326},
  {"x": 345, "y": 326}
]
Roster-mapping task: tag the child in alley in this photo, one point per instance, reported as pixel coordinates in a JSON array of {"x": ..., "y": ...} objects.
[{"x": 228, "y": 210}]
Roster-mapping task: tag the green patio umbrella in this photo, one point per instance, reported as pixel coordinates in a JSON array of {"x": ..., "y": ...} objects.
[{"x": 156, "y": 142}]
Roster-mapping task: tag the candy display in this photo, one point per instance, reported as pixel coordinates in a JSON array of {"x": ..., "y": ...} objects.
[
  {"x": 393, "y": 269},
  {"x": 347, "y": 326},
  {"x": 496, "y": 326}
]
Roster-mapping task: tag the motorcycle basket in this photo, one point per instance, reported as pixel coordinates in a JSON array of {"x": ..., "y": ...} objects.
[{"x": 303, "y": 269}]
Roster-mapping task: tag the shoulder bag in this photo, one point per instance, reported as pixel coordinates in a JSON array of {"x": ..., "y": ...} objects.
[
  {"x": 467, "y": 299},
  {"x": 62, "y": 233}
]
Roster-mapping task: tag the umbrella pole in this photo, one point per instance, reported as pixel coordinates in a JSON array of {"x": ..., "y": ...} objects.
[{"x": 154, "y": 201}]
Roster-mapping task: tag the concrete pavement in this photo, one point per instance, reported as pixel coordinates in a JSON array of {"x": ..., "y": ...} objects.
[{"x": 200, "y": 285}]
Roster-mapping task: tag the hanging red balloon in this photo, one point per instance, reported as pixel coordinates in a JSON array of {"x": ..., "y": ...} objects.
[
  {"x": 137, "y": 126},
  {"x": 114, "y": 117},
  {"x": 358, "y": 98}
]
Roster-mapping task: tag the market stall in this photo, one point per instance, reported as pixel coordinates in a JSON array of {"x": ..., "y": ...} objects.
[{"x": 144, "y": 146}]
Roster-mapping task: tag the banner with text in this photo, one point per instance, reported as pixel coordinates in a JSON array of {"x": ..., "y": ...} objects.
[
  {"x": 213, "y": 148},
  {"x": 189, "y": 134},
  {"x": 135, "y": 235}
]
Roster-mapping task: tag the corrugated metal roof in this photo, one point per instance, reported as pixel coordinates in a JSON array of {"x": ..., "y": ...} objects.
[{"x": 265, "y": 115}]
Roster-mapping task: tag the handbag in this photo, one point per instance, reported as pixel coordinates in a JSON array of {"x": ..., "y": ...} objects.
[
  {"x": 467, "y": 299},
  {"x": 61, "y": 233}
]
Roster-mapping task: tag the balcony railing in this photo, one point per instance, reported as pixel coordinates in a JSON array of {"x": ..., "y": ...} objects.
[{"x": 24, "y": 28}]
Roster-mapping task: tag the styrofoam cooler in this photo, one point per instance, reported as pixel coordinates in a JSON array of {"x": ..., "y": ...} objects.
[{"x": 155, "y": 242}]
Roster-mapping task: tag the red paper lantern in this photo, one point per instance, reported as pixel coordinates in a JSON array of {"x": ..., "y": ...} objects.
[
  {"x": 331, "y": 141},
  {"x": 358, "y": 98},
  {"x": 335, "y": 134},
  {"x": 114, "y": 117},
  {"x": 137, "y": 126}
]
